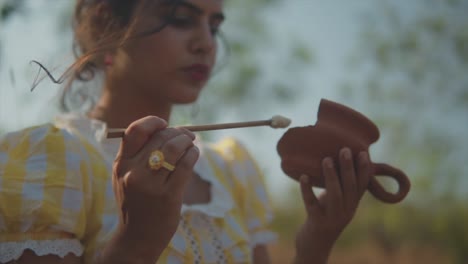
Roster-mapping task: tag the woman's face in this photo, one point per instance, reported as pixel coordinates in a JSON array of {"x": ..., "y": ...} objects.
[{"x": 173, "y": 64}]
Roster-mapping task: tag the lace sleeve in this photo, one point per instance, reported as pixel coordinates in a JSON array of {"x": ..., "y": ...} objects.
[
  {"x": 10, "y": 251},
  {"x": 52, "y": 194}
]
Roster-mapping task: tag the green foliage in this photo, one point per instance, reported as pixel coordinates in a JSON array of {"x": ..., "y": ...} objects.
[
  {"x": 442, "y": 224},
  {"x": 8, "y": 8},
  {"x": 415, "y": 73},
  {"x": 416, "y": 84}
]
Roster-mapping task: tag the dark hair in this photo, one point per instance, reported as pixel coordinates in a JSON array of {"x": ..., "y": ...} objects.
[{"x": 100, "y": 26}]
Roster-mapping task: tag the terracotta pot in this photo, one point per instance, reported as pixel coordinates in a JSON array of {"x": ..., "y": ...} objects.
[{"x": 302, "y": 149}]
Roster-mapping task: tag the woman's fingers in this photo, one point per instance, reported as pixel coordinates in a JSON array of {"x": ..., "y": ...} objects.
[
  {"x": 138, "y": 134},
  {"x": 348, "y": 179},
  {"x": 183, "y": 170},
  {"x": 311, "y": 202},
  {"x": 187, "y": 132},
  {"x": 169, "y": 132},
  {"x": 147, "y": 137},
  {"x": 334, "y": 202},
  {"x": 345, "y": 182},
  {"x": 178, "y": 151},
  {"x": 173, "y": 149},
  {"x": 363, "y": 172}
]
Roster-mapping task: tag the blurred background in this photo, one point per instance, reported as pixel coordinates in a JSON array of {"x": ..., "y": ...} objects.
[{"x": 404, "y": 64}]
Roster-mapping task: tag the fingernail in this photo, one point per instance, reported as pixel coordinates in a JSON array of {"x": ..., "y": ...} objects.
[
  {"x": 162, "y": 120},
  {"x": 346, "y": 153},
  {"x": 189, "y": 133},
  {"x": 363, "y": 157},
  {"x": 327, "y": 162},
  {"x": 304, "y": 179},
  {"x": 192, "y": 135}
]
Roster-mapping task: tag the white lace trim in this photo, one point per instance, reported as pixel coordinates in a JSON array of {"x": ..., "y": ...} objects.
[{"x": 10, "y": 251}]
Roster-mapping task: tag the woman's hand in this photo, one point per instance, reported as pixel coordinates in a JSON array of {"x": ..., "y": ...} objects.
[
  {"x": 150, "y": 200},
  {"x": 332, "y": 211}
]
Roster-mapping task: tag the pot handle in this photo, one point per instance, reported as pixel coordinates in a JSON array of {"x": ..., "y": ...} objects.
[{"x": 382, "y": 169}]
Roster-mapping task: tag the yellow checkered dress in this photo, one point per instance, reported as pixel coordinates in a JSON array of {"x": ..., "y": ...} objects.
[{"x": 56, "y": 198}]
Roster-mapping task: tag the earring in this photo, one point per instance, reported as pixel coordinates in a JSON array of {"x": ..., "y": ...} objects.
[{"x": 108, "y": 60}]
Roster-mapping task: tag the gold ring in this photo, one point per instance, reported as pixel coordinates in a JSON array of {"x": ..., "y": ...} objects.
[{"x": 156, "y": 161}]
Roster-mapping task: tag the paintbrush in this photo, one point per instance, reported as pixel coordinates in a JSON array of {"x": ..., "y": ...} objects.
[{"x": 275, "y": 122}]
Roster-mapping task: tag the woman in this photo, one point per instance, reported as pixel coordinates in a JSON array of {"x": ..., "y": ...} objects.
[{"x": 68, "y": 195}]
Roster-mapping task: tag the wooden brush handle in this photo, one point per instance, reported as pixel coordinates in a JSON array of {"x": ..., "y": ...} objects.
[{"x": 120, "y": 132}]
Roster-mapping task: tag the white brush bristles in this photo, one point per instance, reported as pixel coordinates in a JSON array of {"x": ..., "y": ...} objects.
[{"x": 278, "y": 121}]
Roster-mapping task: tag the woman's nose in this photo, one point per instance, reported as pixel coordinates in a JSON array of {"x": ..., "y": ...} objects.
[{"x": 204, "y": 40}]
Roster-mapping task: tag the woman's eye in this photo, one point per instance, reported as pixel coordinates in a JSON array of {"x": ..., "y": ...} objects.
[{"x": 187, "y": 22}]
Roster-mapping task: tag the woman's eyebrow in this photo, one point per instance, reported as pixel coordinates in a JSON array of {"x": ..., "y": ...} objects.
[{"x": 198, "y": 10}]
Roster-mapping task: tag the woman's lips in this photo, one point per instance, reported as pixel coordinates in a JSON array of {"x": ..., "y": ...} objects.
[{"x": 198, "y": 72}]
